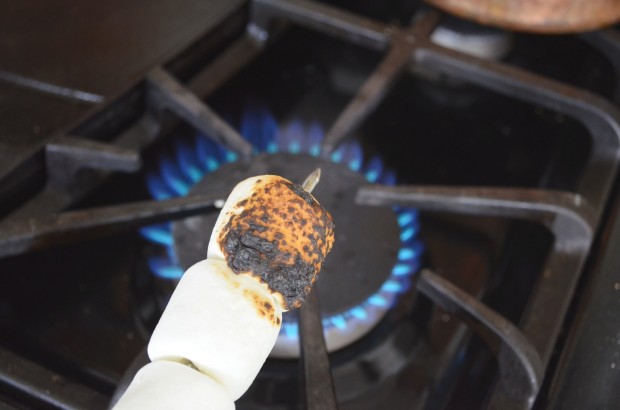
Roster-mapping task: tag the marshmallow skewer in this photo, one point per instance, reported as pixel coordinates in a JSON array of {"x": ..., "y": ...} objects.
[
  {"x": 312, "y": 180},
  {"x": 223, "y": 319}
]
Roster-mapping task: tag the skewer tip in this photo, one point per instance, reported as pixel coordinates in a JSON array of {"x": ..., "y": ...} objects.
[{"x": 312, "y": 180}]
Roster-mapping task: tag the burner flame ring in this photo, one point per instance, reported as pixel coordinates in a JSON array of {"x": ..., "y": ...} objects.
[{"x": 176, "y": 178}]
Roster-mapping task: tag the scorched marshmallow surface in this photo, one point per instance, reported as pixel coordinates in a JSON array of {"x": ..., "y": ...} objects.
[{"x": 265, "y": 252}]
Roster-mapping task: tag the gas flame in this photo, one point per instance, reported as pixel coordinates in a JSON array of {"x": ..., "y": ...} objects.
[{"x": 192, "y": 162}]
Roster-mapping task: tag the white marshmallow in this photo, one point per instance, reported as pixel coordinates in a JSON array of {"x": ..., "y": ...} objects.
[
  {"x": 223, "y": 324},
  {"x": 243, "y": 190},
  {"x": 219, "y": 321},
  {"x": 169, "y": 385}
]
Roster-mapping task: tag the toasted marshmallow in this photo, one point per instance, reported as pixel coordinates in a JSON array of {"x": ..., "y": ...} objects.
[
  {"x": 224, "y": 324},
  {"x": 169, "y": 385},
  {"x": 223, "y": 319},
  {"x": 277, "y": 233}
]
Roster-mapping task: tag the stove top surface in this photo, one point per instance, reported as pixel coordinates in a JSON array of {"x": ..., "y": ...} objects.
[
  {"x": 61, "y": 61},
  {"x": 492, "y": 175}
]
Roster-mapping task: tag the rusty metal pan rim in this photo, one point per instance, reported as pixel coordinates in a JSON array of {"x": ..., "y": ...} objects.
[{"x": 524, "y": 18}]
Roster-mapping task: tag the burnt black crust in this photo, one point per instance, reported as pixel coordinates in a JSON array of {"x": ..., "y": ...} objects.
[
  {"x": 247, "y": 252},
  {"x": 299, "y": 191}
]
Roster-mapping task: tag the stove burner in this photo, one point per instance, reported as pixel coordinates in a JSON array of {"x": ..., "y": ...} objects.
[{"x": 367, "y": 237}]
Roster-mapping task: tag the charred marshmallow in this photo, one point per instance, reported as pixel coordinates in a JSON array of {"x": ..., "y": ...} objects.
[
  {"x": 266, "y": 250},
  {"x": 276, "y": 232}
]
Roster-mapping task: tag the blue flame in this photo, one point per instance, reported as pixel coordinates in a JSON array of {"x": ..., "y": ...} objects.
[
  {"x": 315, "y": 137},
  {"x": 259, "y": 127},
  {"x": 191, "y": 166},
  {"x": 407, "y": 217},
  {"x": 388, "y": 178},
  {"x": 392, "y": 286},
  {"x": 158, "y": 189},
  {"x": 165, "y": 268},
  {"x": 377, "y": 300},
  {"x": 406, "y": 253},
  {"x": 413, "y": 251},
  {"x": 290, "y": 329},
  {"x": 339, "y": 321},
  {"x": 353, "y": 156},
  {"x": 402, "y": 269},
  {"x": 374, "y": 169},
  {"x": 359, "y": 313},
  {"x": 174, "y": 179},
  {"x": 209, "y": 154},
  {"x": 160, "y": 234},
  {"x": 336, "y": 155},
  {"x": 408, "y": 232},
  {"x": 291, "y": 137}
]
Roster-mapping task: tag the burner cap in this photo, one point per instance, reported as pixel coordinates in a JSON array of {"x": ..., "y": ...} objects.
[{"x": 367, "y": 238}]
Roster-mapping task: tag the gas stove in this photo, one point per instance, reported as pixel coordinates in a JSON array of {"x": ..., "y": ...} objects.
[{"x": 471, "y": 173}]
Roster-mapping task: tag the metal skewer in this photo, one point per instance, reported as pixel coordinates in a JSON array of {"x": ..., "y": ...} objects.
[{"x": 312, "y": 180}]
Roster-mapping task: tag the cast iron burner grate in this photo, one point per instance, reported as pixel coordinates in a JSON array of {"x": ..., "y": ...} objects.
[
  {"x": 572, "y": 217},
  {"x": 357, "y": 288}
]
